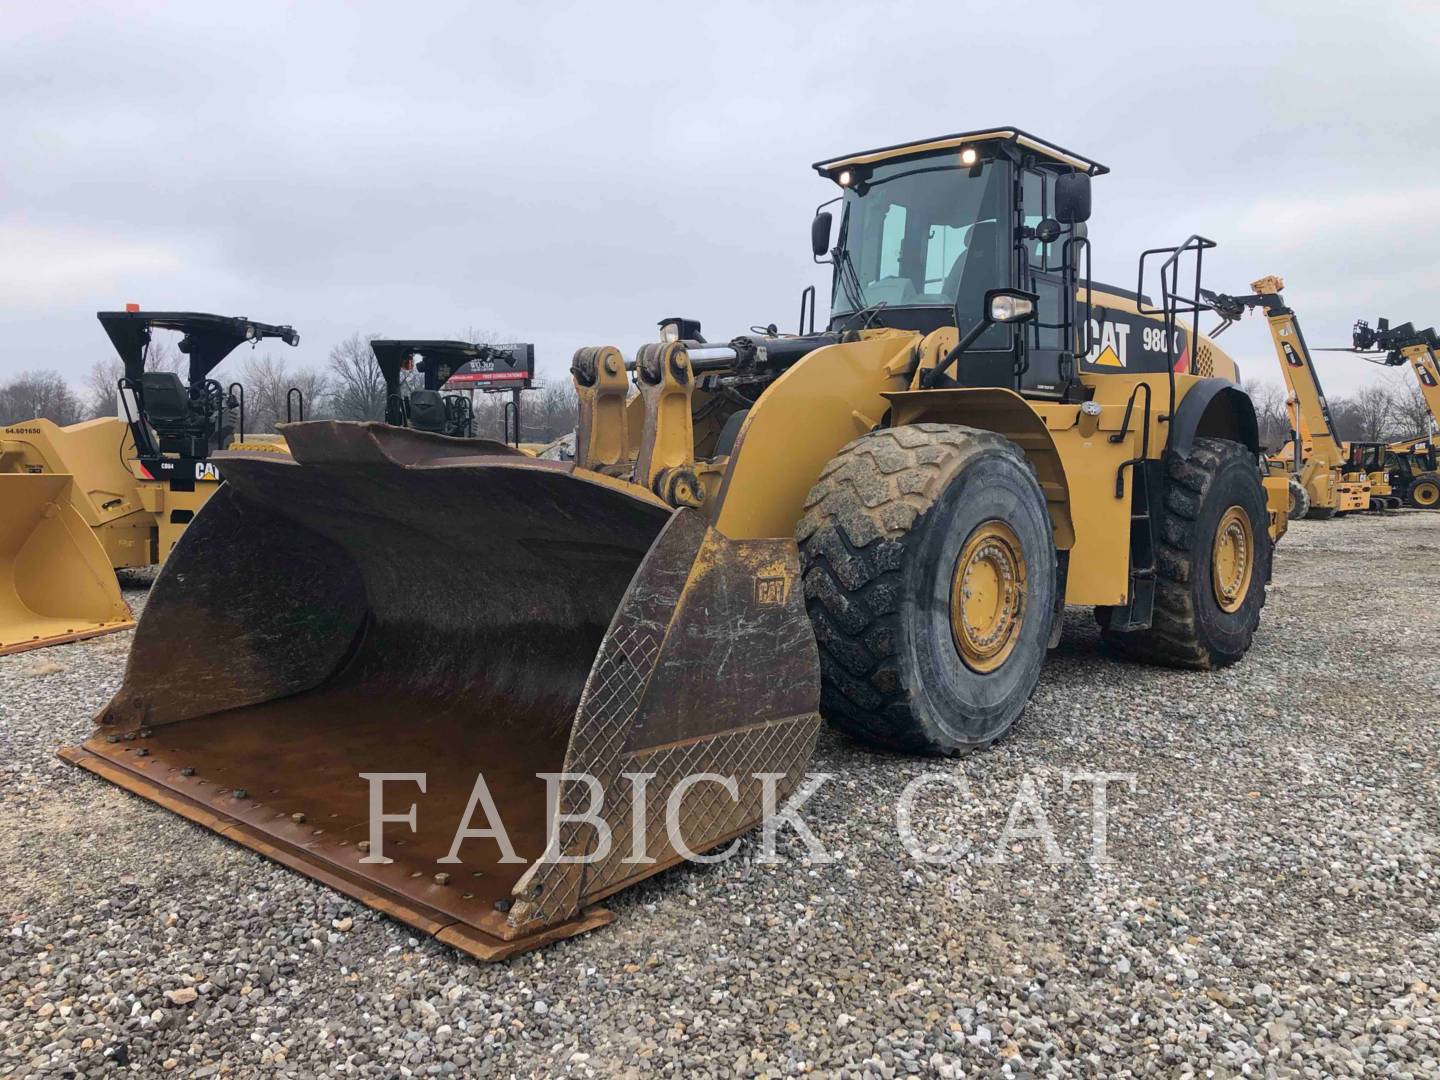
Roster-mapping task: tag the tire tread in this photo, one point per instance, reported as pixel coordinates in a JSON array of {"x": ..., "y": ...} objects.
[
  {"x": 855, "y": 536},
  {"x": 1173, "y": 638}
]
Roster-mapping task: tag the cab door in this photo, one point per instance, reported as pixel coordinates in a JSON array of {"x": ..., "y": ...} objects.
[{"x": 1049, "y": 364}]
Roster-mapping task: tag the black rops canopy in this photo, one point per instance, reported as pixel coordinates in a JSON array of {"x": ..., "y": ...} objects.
[
  {"x": 208, "y": 338},
  {"x": 457, "y": 364}
]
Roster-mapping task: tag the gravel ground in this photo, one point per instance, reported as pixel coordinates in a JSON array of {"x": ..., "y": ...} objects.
[{"x": 1268, "y": 907}]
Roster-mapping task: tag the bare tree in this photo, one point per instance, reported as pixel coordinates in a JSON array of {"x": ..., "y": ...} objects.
[
  {"x": 36, "y": 394},
  {"x": 268, "y": 381},
  {"x": 1270, "y": 411},
  {"x": 314, "y": 387},
  {"x": 546, "y": 412},
  {"x": 556, "y": 414},
  {"x": 1412, "y": 412},
  {"x": 355, "y": 387},
  {"x": 1373, "y": 413}
]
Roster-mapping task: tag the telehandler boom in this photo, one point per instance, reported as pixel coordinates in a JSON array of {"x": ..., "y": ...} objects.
[
  {"x": 1410, "y": 463},
  {"x": 1323, "y": 482}
]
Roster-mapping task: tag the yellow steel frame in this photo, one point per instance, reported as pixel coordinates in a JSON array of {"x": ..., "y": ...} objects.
[{"x": 843, "y": 391}]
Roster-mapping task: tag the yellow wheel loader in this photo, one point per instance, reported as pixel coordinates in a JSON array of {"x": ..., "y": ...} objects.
[
  {"x": 881, "y": 520},
  {"x": 1323, "y": 481},
  {"x": 82, "y": 501},
  {"x": 1410, "y": 464}
]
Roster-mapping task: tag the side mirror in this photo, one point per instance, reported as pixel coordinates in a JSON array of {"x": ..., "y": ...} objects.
[
  {"x": 292, "y": 339},
  {"x": 1010, "y": 306},
  {"x": 1072, "y": 198},
  {"x": 1001, "y": 306},
  {"x": 820, "y": 234}
]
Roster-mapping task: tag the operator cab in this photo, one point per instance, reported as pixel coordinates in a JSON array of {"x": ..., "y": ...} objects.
[
  {"x": 982, "y": 231},
  {"x": 1368, "y": 457}
]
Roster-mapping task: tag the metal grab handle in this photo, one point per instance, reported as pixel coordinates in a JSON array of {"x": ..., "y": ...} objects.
[
  {"x": 1119, "y": 436},
  {"x": 239, "y": 398},
  {"x": 807, "y": 295},
  {"x": 299, "y": 397}
]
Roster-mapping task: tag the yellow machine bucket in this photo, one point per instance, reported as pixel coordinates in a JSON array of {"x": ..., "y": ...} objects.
[
  {"x": 394, "y": 602},
  {"x": 56, "y": 583}
]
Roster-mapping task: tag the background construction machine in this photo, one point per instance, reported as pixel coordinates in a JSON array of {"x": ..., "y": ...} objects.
[
  {"x": 882, "y": 520},
  {"x": 1409, "y": 464},
  {"x": 457, "y": 366},
  {"x": 1323, "y": 482},
  {"x": 175, "y": 426},
  {"x": 84, "y": 500}
]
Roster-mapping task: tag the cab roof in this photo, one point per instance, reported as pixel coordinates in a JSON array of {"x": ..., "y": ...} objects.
[{"x": 1033, "y": 143}]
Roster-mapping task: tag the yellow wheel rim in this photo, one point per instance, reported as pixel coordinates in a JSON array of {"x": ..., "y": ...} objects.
[
  {"x": 987, "y": 596},
  {"x": 1232, "y": 562},
  {"x": 1427, "y": 493}
]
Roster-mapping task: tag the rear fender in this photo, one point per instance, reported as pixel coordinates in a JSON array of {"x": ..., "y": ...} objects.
[{"x": 1216, "y": 409}]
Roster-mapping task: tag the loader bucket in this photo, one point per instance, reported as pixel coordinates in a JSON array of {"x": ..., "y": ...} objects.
[
  {"x": 56, "y": 584},
  {"x": 390, "y": 601}
]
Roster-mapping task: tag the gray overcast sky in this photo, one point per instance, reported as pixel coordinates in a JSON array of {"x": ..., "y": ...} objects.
[{"x": 569, "y": 173}]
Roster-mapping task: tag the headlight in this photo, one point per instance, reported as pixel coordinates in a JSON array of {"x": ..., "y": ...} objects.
[
  {"x": 969, "y": 155},
  {"x": 1008, "y": 308}
]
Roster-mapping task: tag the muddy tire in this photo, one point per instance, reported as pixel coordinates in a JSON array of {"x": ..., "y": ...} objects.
[
  {"x": 1299, "y": 500},
  {"x": 1424, "y": 491},
  {"x": 905, "y": 526},
  {"x": 1321, "y": 513},
  {"x": 1212, "y": 565}
]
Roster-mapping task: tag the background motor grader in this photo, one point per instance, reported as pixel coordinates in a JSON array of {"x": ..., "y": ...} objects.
[
  {"x": 881, "y": 520},
  {"x": 78, "y": 502}
]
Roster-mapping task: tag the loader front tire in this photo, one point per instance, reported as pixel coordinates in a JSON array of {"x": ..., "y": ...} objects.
[
  {"x": 930, "y": 580},
  {"x": 1299, "y": 500},
  {"x": 1212, "y": 565},
  {"x": 1424, "y": 493}
]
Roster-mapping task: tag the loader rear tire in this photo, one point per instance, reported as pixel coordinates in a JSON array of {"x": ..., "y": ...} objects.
[
  {"x": 1424, "y": 493},
  {"x": 1321, "y": 513},
  {"x": 1212, "y": 565},
  {"x": 1299, "y": 500},
  {"x": 930, "y": 580}
]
